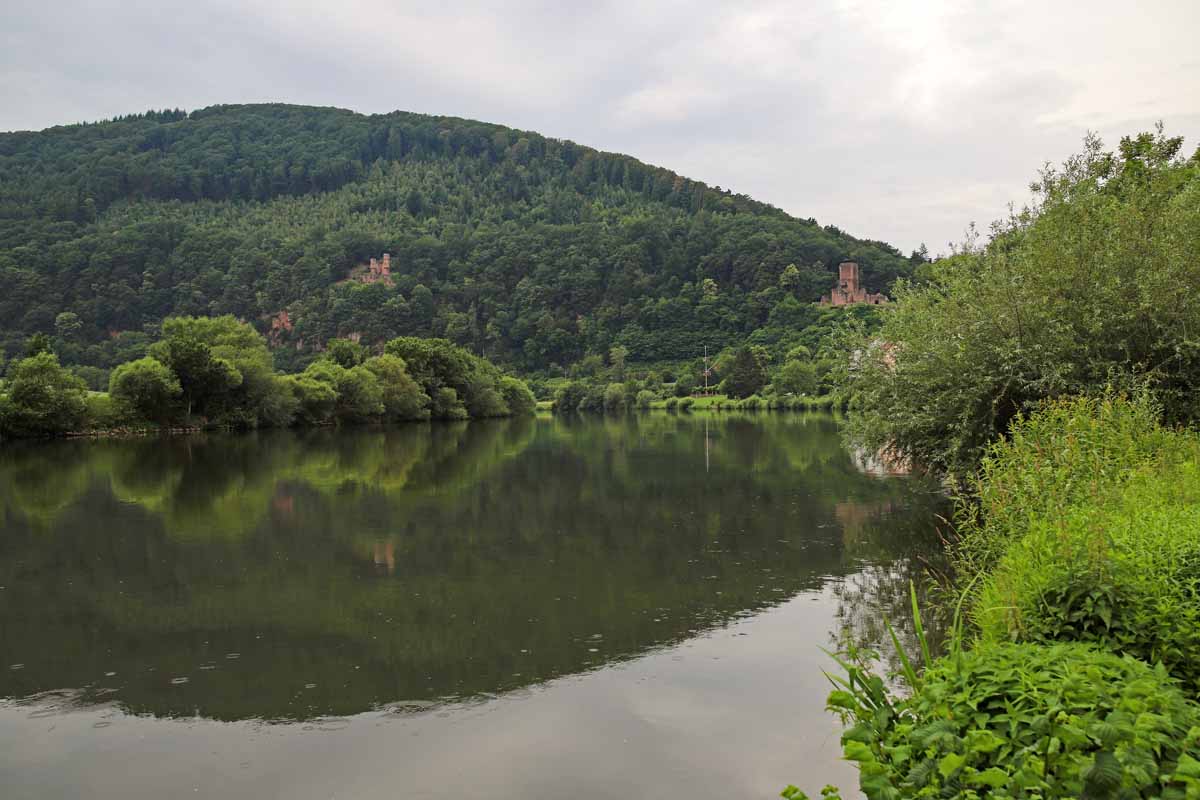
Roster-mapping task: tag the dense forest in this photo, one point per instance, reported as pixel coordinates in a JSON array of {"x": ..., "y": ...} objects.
[{"x": 533, "y": 252}]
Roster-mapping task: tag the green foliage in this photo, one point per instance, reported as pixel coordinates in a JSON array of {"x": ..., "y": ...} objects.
[
  {"x": 104, "y": 413},
  {"x": 1069, "y": 452},
  {"x": 1024, "y": 721},
  {"x": 645, "y": 398},
  {"x": 357, "y": 391},
  {"x": 147, "y": 388},
  {"x": 797, "y": 377},
  {"x": 614, "y": 398},
  {"x": 569, "y": 397},
  {"x": 672, "y": 403},
  {"x": 794, "y": 793},
  {"x": 533, "y": 250},
  {"x": 402, "y": 397},
  {"x": 37, "y": 344},
  {"x": 686, "y": 403},
  {"x": 446, "y": 405},
  {"x": 437, "y": 364},
  {"x": 315, "y": 399},
  {"x": 206, "y": 379},
  {"x": 95, "y": 377},
  {"x": 345, "y": 352},
  {"x": 593, "y": 399},
  {"x": 745, "y": 375},
  {"x": 219, "y": 372},
  {"x": 517, "y": 396},
  {"x": 1092, "y": 531},
  {"x": 43, "y": 398},
  {"x": 1089, "y": 288}
]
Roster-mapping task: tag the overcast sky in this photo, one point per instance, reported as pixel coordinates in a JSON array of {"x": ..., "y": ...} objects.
[{"x": 893, "y": 120}]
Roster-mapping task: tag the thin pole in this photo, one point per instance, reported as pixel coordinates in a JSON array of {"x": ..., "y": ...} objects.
[{"x": 706, "y": 370}]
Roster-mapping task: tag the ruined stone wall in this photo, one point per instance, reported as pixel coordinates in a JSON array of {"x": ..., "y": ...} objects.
[{"x": 848, "y": 290}]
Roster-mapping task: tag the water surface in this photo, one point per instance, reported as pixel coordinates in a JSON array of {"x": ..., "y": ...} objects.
[{"x": 591, "y": 608}]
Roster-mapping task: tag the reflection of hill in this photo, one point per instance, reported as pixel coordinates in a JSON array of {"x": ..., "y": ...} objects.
[{"x": 350, "y": 569}]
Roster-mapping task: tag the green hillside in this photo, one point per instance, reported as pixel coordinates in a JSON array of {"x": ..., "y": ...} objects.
[{"x": 529, "y": 250}]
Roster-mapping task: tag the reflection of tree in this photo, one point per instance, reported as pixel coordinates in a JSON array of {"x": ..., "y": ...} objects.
[
  {"x": 411, "y": 563},
  {"x": 900, "y": 544}
]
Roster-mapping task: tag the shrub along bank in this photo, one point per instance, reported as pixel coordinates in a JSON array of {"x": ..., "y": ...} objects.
[
  {"x": 218, "y": 372},
  {"x": 1083, "y": 562},
  {"x": 1110, "y": 553}
]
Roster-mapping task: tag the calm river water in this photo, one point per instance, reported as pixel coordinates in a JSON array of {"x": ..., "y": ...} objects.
[{"x": 541, "y": 608}]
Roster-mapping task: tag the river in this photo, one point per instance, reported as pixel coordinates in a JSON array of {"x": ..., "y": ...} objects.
[{"x": 537, "y": 608}]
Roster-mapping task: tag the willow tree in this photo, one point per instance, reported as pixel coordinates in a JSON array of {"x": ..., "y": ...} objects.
[{"x": 1090, "y": 289}]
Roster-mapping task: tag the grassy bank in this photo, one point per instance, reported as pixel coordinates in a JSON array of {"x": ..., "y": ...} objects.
[{"x": 1076, "y": 669}]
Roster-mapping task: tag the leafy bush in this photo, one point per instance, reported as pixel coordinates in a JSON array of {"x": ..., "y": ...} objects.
[
  {"x": 402, "y": 397},
  {"x": 103, "y": 413},
  {"x": 614, "y": 397},
  {"x": 1124, "y": 573},
  {"x": 446, "y": 405},
  {"x": 147, "y": 388},
  {"x": 593, "y": 399},
  {"x": 751, "y": 403},
  {"x": 1024, "y": 721},
  {"x": 671, "y": 403},
  {"x": 645, "y": 398},
  {"x": 745, "y": 375},
  {"x": 517, "y": 396},
  {"x": 1065, "y": 300},
  {"x": 686, "y": 404},
  {"x": 314, "y": 399},
  {"x": 568, "y": 398},
  {"x": 43, "y": 398},
  {"x": 1088, "y": 529},
  {"x": 436, "y": 364},
  {"x": 1067, "y": 452}
]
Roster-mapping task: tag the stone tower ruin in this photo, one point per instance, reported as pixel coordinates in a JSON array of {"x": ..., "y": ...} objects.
[{"x": 849, "y": 291}]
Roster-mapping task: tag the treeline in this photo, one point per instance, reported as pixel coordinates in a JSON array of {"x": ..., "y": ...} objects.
[
  {"x": 797, "y": 369},
  {"x": 532, "y": 251},
  {"x": 218, "y": 372},
  {"x": 1094, "y": 287},
  {"x": 1054, "y": 372}
]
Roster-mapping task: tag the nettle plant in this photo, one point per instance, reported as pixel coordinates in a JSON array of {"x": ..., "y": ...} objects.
[
  {"x": 1089, "y": 531},
  {"x": 1019, "y": 721}
]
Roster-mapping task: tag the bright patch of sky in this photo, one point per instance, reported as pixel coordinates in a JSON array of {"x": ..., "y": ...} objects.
[{"x": 900, "y": 121}]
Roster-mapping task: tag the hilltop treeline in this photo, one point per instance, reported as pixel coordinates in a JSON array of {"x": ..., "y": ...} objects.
[
  {"x": 218, "y": 372},
  {"x": 533, "y": 251}
]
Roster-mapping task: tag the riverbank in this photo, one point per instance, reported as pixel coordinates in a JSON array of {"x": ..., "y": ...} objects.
[
  {"x": 1072, "y": 670},
  {"x": 219, "y": 373},
  {"x": 721, "y": 402}
]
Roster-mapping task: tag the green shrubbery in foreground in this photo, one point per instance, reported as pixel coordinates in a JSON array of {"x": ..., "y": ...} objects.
[
  {"x": 1106, "y": 547},
  {"x": 1025, "y": 721},
  {"x": 1083, "y": 562}
]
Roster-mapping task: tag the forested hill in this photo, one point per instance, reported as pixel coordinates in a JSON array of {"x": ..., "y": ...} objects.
[{"x": 530, "y": 250}]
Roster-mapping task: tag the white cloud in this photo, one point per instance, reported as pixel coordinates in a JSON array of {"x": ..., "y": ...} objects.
[{"x": 898, "y": 121}]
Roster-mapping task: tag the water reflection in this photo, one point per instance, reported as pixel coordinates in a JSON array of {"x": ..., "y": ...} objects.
[{"x": 297, "y": 576}]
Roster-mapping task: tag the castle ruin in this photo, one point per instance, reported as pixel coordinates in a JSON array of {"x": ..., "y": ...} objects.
[
  {"x": 379, "y": 271},
  {"x": 848, "y": 291}
]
